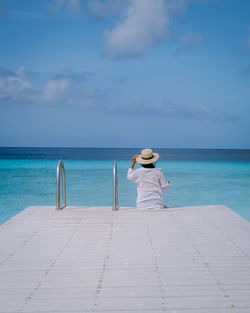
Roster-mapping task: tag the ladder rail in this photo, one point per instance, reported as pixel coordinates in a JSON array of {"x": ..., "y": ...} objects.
[
  {"x": 60, "y": 169},
  {"x": 115, "y": 206}
]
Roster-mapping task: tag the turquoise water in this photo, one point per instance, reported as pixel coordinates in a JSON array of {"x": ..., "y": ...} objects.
[{"x": 25, "y": 182}]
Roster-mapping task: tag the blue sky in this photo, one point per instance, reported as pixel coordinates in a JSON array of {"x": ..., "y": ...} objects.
[{"x": 125, "y": 73}]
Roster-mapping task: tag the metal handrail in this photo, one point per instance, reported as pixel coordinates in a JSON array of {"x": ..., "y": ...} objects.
[
  {"x": 115, "y": 206},
  {"x": 60, "y": 166}
]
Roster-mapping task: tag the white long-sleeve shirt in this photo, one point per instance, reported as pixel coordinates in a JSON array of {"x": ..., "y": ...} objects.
[{"x": 149, "y": 182}]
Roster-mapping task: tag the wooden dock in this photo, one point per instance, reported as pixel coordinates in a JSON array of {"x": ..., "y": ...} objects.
[{"x": 91, "y": 259}]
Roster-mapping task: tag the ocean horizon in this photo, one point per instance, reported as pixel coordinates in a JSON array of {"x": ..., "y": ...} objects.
[{"x": 197, "y": 176}]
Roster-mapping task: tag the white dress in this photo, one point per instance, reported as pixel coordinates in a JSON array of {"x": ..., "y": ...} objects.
[{"x": 149, "y": 183}]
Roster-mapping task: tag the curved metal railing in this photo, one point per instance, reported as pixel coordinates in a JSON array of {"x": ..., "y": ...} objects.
[
  {"x": 115, "y": 206},
  {"x": 58, "y": 186}
]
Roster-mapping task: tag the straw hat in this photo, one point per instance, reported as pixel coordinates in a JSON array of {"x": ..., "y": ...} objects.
[{"x": 147, "y": 156}]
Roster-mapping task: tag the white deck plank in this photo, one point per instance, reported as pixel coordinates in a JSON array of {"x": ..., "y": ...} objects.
[{"x": 90, "y": 259}]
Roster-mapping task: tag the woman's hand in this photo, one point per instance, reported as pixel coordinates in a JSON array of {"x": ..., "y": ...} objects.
[
  {"x": 134, "y": 157},
  {"x": 133, "y": 161}
]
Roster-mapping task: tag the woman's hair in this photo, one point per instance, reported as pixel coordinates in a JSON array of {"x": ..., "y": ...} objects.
[{"x": 150, "y": 165}]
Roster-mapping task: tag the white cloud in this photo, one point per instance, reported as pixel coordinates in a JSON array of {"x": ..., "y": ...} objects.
[
  {"x": 70, "y": 93},
  {"x": 145, "y": 23},
  {"x": 67, "y": 88},
  {"x": 70, "y": 88},
  {"x": 13, "y": 85},
  {"x": 54, "y": 90},
  {"x": 139, "y": 24}
]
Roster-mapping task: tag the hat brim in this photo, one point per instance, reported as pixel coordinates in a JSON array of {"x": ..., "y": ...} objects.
[{"x": 140, "y": 160}]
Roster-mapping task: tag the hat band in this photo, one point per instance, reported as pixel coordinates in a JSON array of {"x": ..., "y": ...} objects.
[{"x": 148, "y": 158}]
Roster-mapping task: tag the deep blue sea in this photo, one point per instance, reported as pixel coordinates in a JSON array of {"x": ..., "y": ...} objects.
[{"x": 198, "y": 177}]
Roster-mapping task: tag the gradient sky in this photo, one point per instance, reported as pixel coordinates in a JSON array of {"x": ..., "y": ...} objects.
[{"x": 125, "y": 73}]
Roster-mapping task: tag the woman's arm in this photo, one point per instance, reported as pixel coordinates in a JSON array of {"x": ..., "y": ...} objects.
[
  {"x": 165, "y": 184},
  {"x": 131, "y": 175}
]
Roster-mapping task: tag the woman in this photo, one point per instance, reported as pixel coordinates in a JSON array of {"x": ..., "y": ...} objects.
[{"x": 149, "y": 180}]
